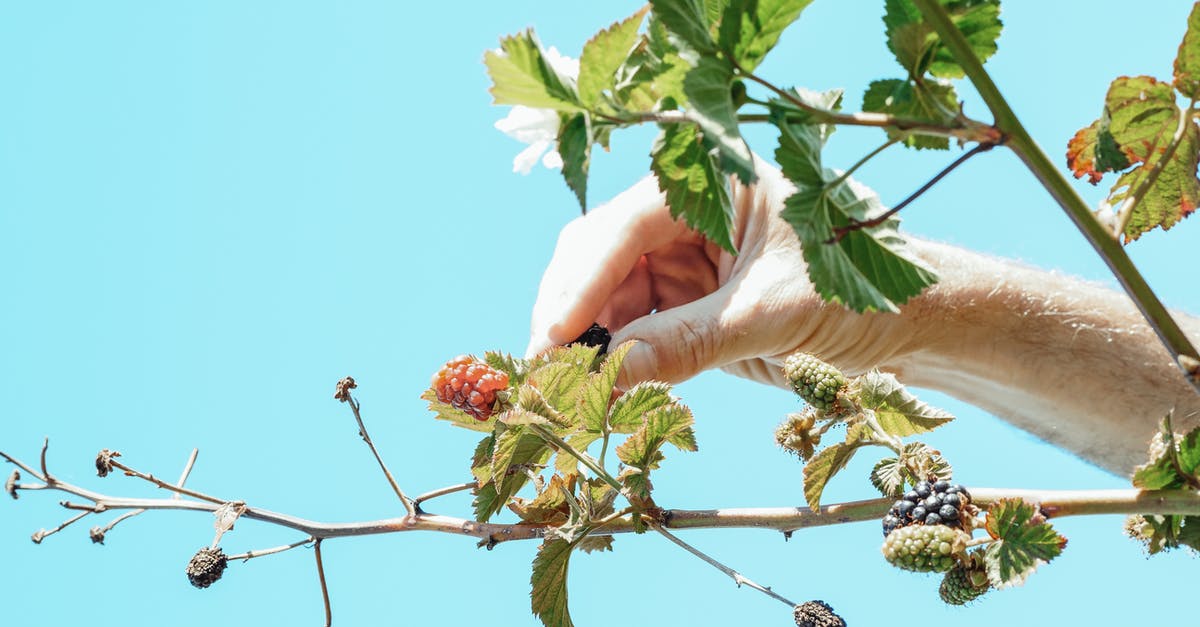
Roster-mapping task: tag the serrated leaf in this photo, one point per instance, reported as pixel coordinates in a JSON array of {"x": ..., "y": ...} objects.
[
  {"x": 926, "y": 100},
  {"x": 917, "y": 46},
  {"x": 695, "y": 187},
  {"x": 603, "y": 54},
  {"x": 560, "y": 382},
  {"x": 514, "y": 450},
  {"x": 550, "y": 506},
  {"x": 521, "y": 75},
  {"x": 515, "y": 368},
  {"x": 549, "y": 583},
  {"x": 1093, "y": 151},
  {"x": 628, "y": 411},
  {"x": 707, "y": 87},
  {"x": 595, "y": 394},
  {"x": 1023, "y": 543},
  {"x": 456, "y": 417},
  {"x": 1187, "y": 60},
  {"x": 1189, "y": 532},
  {"x": 687, "y": 21},
  {"x": 870, "y": 269},
  {"x": 822, "y": 467},
  {"x": 1174, "y": 195},
  {"x": 518, "y": 416},
  {"x": 481, "y": 459},
  {"x": 670, "y": 423},
  {"x": 751, "y": 28},
  {"x": 920, "y": 462},
  {"x": 575, "y": 148},
  {"x": 899, "y": 412},
  {"x": 1176, "y": 464},
  {"x": 888, "y": 477},
  {"x": 595, "y": 544},
  {"x": 486, "y": 502},
  {"x": 636, "y": 481}
]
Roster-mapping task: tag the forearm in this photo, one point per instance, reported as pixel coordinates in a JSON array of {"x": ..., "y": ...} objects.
[{"x": 1069, "y": 361}]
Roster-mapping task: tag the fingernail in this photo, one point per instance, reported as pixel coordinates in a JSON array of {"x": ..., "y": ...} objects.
[{"x": 641, "y": 364}]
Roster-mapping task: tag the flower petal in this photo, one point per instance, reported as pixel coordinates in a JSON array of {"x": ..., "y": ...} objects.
[
  {"x": 552, "y": 160},
  {"x": 525, "y": 159},
  {"x": 529, "y": 125}
]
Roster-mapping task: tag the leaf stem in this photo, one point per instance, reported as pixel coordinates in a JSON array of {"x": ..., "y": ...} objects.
[
  {"x": 1178, "y": 345},
  {"x": 1127, "y": 207},
  {"x": 583, "y": 458},
  {"x": 861, "y": 162}
]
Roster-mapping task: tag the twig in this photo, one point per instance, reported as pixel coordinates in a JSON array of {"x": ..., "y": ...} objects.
[
  {"x": 842, "y": 231},
  {"x": 163, "y": 484},
  {"x": 433, "y": 494},
  {"x": 187, "y": 470},
  {"x": 249, "y": 555},
  {"x": 1172, "y": 336},
  {"x": 362, "y": 431},
  {"x": 42, "y": 534},
  {"x": 46, "y": 473},
  {"x": 1136, "y": 195},
  {"x": 737, "y": 577},
  {"x": 324, "y": 588}
]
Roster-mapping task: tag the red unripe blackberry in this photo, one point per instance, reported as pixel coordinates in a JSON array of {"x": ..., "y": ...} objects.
[{"x": 470, "y": 385}]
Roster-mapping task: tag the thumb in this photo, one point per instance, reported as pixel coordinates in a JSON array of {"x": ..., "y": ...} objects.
[{"x": 678, "y": 343}]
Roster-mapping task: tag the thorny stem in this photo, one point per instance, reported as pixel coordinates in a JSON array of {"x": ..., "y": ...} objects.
[
  {"x": 249, "y": 555},
  {"x": 362, "y": 431},
  {"x": 1136, "y": 195},
  {"x": 737, "y": 577},
  {"x": 324, "y": 587},
  {"x": 855, "y": 225},
  {"x": 1156, "y": 314}
]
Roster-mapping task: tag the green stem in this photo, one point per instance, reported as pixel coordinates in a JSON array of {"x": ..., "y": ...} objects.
[
  {"x": 583, "y": 458},
  {"x": 1156, "y": 314}
]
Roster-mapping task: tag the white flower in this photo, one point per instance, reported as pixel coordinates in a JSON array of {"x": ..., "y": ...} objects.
[{"x": 538, "y": 127}]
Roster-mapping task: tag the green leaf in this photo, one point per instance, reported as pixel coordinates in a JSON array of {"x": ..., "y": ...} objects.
[
  {"x": 521, "y": 75},
  {"x": 1189, "y": 533},
  {"x": 486, "y": 502},
  {"x": 899, "y": 412},
  {"x": 707, "y": 87},
  {"x": 920, "y": 461},
  {"x": 456, "y": 417},
  {"x": 560, "y": 382},
  {"x": 629, "y": 409},
  {"x": 520, "y": 416},
  {"x": 603, "y": 54},
  {"x": 549, "y": 583},
  {"x": 636, "y": 481},
  {"x": 1174, "y": 461},
  {"x": 888, "y": 477},
  {"x": 930, "y": 101},
  {"x": 595, "y": 394},
  {"x": 1141, "y": 109},
  {"x": 917, "y": 46},
  {"x": 870, "y": 269},
  {"x": 696, "y": 188},
  {"x": 822, "y": 467},
  {"x": 750, "y": 28},
  {"x": 515, "y": 368},
  {"x": 1093, "y": 151},
  {"x": 595, "y": 544},
  {"x": 575, "y": 148},
  {"x": 687, "y": 21},
  {"x": 1187, "y": 60},
  {"x": 566, "y": 463},
  {"x": 1024, "y": 541},
  {"x": 550, "y": 506},
  {"x": 671, "y": 423},
  {"x": 514, "y": 450},
  {"x": 481, "y": 459},
  {"x": 1174, "y": 195}
]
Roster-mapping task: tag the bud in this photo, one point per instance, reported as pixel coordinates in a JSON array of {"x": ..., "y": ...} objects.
[{"x": 104, "y": 462}]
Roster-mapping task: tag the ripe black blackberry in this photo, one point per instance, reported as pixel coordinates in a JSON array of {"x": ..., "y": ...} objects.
[
  {"x": 816, "y": 614},
  {"x": 817, "y": 382},
  {"x": 596, "y": 335},
  {"x": 206, "y": 567},
  {"x": 937, "y": 503}
]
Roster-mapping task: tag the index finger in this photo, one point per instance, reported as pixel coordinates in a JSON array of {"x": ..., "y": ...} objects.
[{"x": 593, "y": 255}]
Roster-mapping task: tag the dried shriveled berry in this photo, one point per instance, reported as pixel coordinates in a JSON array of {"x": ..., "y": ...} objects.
[
  {"x": 816, "y": 614},
  {"x": 470, "y": 385},
  {"x": 925, "y": 548},
  {"x": 815, "y": 381},
  {"x": 206, "y": 567}
]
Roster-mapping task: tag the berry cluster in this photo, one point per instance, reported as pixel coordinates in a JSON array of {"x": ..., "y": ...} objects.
[
  {"x": 596, "y": 335},
  {"x": 925, "y": 548},
  {"x": 206, "y": 567},
  {"x": 816, "y": 614},
  {"x": 470, "y": 385},
  {"x": 815, "y": 381},
  {"x": 928, "y": 503}
]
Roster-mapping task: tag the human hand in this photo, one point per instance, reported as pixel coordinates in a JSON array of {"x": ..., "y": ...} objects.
[{"x": 691, "y": 305}]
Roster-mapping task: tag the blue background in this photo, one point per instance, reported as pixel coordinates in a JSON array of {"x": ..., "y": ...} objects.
[{"x": 210, "y": 212}]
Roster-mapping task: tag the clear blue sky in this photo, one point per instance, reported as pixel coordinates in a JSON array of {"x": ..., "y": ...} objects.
[{"x": 210, "y": 212}]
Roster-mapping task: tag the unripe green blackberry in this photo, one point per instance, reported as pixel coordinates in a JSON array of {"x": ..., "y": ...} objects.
[
  {"x": 815, "y": 381},
  {"x": 965, "y": 582},
  {"x": 206, "y": 567},
  {"x": 816, "y": 614},
  {"x": 925, "y": 548}
]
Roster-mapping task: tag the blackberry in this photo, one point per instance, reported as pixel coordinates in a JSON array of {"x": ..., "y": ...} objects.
[
  {"x": 940, "y": 503},
  {"x": 815, "y": 381},
  {"x": 206, "y": 567},
  {"x": 816, "y": 614},
  {"x": 925, "y": 548},
  {"x": 965, "y": 582},
  {"x": 470, "y": 385},
  {"x": 596, "y": 335}
]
